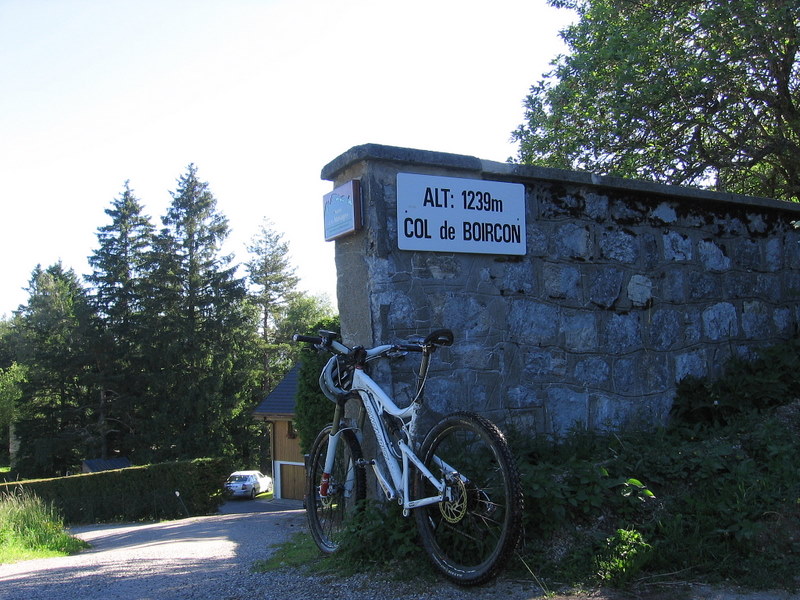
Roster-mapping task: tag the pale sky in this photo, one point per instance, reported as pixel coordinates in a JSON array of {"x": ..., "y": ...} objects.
[{"x": 258, "y": 94}]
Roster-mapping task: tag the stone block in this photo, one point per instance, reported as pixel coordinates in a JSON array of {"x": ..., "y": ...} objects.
[
  {"x": 534, "y": 322},
  {"x": 705, "y": 286},
  {"x": 664, "y": 329},
  {"x": 719, "y": 321},
  {"x": 664, "y": 213},
  {"x": 561, "y": 281},
  {"x": 580, "y": 332},
  {"x": 592, "y": 371},
  {"x": 545, "y": 365},
  {"x": 713, "y": 256},
  {"x": 605, "y": 286},
  {"x": 596, "y": 206},
  {"x": 677, "y": 247},
  {"x": 773, "y": 254},
  {"x": 568, "y": 409},
  {"x": 640, "y": 290},
  {"x": 619, "y": 245},
  {"x": 690, "y": 364},
  {"x": 622, "y": 333},
  {"x": 756, "y": 320},
  {"x": 573, "y": 241}
]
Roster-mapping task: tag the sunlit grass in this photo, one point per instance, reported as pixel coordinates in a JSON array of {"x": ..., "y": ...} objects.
[
  {"x": 29, "y": 528},
  {"x": 298, "y": 551}
]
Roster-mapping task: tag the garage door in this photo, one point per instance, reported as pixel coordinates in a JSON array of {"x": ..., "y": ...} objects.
[{"x": 293, "y": 479}]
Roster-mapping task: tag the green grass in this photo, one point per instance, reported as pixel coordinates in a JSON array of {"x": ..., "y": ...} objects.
[
  {"x": 29, "y": 528},
  {"x": 299, "y": 551}
]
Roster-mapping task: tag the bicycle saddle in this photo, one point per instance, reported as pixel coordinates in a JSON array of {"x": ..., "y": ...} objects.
[{"x": 439, "y": 337}]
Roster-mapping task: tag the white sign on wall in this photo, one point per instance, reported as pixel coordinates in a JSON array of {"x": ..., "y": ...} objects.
[
  {"x": 341, "y": 210},
  {"x": 450, "y": 214}
]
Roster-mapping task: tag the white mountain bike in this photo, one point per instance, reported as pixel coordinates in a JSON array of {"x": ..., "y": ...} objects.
[{"x": 462, "y": 482}]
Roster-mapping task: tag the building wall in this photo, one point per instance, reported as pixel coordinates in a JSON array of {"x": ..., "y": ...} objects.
[
  {"x": 287, "y": 445},
  {"x": 288, "y": 471},
  {"x": 626, "y": 288}
]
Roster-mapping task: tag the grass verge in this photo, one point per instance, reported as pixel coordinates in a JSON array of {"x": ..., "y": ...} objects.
[{"x": 29, "y": 528}]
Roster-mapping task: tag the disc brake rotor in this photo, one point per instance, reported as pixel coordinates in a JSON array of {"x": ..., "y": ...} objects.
[{"x": 454, "y": 509}]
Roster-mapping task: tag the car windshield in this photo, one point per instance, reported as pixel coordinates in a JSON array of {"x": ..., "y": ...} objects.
[{"x": 238, "y": 478}]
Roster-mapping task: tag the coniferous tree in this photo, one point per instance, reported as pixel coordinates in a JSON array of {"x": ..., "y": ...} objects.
[
  {"x": 199, "y": 332},
  {"x": 52, "y": 337},
  {"x": 272, "y": 282},
  {"x": 118, "y": 291}
]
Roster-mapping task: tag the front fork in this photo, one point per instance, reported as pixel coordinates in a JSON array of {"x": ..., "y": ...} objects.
[{"x": 333, "y": 441}]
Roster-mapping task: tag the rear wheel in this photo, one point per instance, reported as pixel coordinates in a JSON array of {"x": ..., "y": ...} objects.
[
  {"x": 328, "y": 515},
  {"x": 470, "y": 534}
]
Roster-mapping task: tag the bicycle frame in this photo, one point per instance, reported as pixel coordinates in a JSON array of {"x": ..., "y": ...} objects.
[{"x": 376, "y": 402}]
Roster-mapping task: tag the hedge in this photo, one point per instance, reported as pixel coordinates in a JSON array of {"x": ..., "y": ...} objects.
[{"x": 151, "y": 492}]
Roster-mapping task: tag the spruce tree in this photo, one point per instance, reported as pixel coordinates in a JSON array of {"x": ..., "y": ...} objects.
[
  {"x": 199, "y": 331},
  {"x": 272, "y": 283},
  {"x": 53, "y": 336},
  {"x": 118, "y": 293}
]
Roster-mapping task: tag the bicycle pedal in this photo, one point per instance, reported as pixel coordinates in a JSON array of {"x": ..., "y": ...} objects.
[{"x": 363, "y": 462}]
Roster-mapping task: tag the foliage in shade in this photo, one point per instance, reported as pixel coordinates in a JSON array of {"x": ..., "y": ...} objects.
[{"x": 313, "y": 410}]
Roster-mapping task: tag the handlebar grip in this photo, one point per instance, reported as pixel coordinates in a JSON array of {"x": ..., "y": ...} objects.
[{"x": 308, "y": 339}]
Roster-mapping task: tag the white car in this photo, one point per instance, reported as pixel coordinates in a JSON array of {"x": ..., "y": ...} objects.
[{"x": 248, "y": 484}]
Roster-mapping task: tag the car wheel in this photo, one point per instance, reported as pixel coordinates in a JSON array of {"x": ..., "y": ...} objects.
[{"x": 253, "y": 494}]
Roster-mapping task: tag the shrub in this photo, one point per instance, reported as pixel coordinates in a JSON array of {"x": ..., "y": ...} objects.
[
  {"x": 379, "y": 535},
  {"x": 135, "y": 493}
]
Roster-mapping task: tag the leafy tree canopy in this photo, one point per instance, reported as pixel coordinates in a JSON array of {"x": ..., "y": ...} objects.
[{"x": 690, "y": 92}]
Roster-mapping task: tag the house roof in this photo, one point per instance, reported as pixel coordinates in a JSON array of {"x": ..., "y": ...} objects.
[{"x": 279, "y": 403}]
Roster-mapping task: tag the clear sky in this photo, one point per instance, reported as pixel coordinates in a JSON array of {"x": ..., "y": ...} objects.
[{"x": 258, "y": 94}]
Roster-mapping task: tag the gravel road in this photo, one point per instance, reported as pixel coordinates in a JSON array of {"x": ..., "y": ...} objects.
[{"x": 211, "y": 558}]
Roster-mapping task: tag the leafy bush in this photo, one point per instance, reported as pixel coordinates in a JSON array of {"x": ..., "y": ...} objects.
[
  {"x": 715, "y": 495},
  {"x": 377, "y": 536},
  {"x": 771, "y": 380},
  {"x": 313, "y": 410}
]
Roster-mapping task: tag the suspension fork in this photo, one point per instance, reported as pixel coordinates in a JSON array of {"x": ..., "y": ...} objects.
[{"x": 333, "y": 441}]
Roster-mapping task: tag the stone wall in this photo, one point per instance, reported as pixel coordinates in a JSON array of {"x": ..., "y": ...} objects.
[{"x": 626, "y": 288}]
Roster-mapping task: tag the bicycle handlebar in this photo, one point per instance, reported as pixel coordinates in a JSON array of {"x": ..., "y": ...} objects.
[{"x": 437, "y": 338}]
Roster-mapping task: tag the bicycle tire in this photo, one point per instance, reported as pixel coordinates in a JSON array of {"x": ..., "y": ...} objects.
[
  {"x": 328, "y": 517},
  {"x": 470, "y": 537}
]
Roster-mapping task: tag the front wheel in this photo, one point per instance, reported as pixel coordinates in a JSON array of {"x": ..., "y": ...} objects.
[
  {"x": 470, "y": 534},
  {"x": 328, "y": 515}
]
